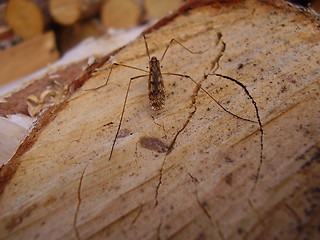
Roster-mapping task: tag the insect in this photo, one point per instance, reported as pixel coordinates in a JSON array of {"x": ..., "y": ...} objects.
[
  {"x": 157, "y": 98},
  {"x": 157, "y": 95}
]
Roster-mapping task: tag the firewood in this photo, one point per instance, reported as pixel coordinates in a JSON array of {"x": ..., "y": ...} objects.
[
  {"x": 72, "y": 11},
  {"x": 120, "y": 13},
  {"x": 190, "y": 170},
  {"x": 28, "y": 18},
  {"x": 157, "y": 9},
  {"x": 27, "y": 57}
]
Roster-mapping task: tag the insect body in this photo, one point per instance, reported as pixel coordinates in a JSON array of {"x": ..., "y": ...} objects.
[
  {"x": 157, "y": 102},
  {"x": 156, "y": 86}
]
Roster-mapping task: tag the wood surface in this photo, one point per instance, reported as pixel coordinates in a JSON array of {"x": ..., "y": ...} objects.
[{"x": 63, "y": 182}]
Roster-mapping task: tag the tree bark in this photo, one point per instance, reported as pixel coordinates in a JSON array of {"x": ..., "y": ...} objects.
[{"x": 191, "y": 170}]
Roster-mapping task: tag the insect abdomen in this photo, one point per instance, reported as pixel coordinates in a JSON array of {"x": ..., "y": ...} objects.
[
  {"x": 157, "y": 99},
  {"x": 156, "y": 86}
]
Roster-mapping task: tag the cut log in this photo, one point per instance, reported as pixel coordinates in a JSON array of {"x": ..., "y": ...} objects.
[
  {"x": 157, "y": 9},
  {"x": 27, "y": 57},
  {"x": 28, "y": 18},
  {"x": 191, "y": 170},
  {"x": 71, "y": 11},
  {"x": 120, "y": 13}
]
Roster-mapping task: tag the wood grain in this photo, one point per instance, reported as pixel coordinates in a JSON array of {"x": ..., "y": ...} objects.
[{"x": 65, "y": 187}]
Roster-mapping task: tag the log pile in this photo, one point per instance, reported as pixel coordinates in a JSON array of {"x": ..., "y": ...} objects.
[
  {"x": 70, "y": 22},
  {"x": 30, "y": 18},
  {"x": 72, "y": 11},
  {"x": 103, "y": 165}
]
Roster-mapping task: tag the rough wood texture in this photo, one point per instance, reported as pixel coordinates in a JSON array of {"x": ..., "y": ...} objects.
[
  {"x": 61, "y": 184},
  {"x": 27, "y": 57},
  {"x": 68, "y": 12},
  {"x": 28, "y": 18}
]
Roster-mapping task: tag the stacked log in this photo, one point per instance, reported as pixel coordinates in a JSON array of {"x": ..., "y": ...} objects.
[
  {"x": 70, "y": 21},
  {"x": 68, "y": 12},
  {"x": 28, "y": 18}
]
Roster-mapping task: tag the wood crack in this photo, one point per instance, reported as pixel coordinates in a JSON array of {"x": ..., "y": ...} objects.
[
  {"x": 170, "y": 147},
  {"x": 159, "y": 182},
  {"x": 138, "y": 215},
  {"x": 159, "y": 229},
  {"x": 202, "y": 205},
  {"x": 79, "y": 203},
  {"x": 256, "y": 212},
  {"x": 259, "y": 122},
  {"x": 215, "y": 66},
  {"x": 75, "y": 218}
]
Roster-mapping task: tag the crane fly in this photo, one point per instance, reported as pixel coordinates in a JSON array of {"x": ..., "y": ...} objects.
[
  {"x": 157, "y": 99},
  {"x": 156, "y": 86},
  {"x": 157, "y": 91}
]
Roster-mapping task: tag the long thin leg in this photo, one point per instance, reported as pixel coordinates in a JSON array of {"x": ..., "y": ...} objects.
[
  {"x": 259, "y": 122},
  {"x": 145, "y": 75},
  {"x": 122, "y": 113},
  {"x": 146, "y": 44},
  {"x": 116, "y": 64},
  {"x": 173, "y": 40},
  {"x": 226, "y": 110}
]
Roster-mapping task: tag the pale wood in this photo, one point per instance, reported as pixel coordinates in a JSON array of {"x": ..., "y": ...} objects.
[
  {"x": 27, "y": 57},
  {"x": 67, "y": 12},
  {"x": 157, "y": 9},
  {"x": 28, "y": 18},
  {"x": 61, "y": 185},
  {"x": 12, "y": 131},
  {"x": 120, "y": 13}
]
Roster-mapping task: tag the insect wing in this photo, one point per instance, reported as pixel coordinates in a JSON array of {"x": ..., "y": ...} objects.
[{"x": 156, "y": 86}]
